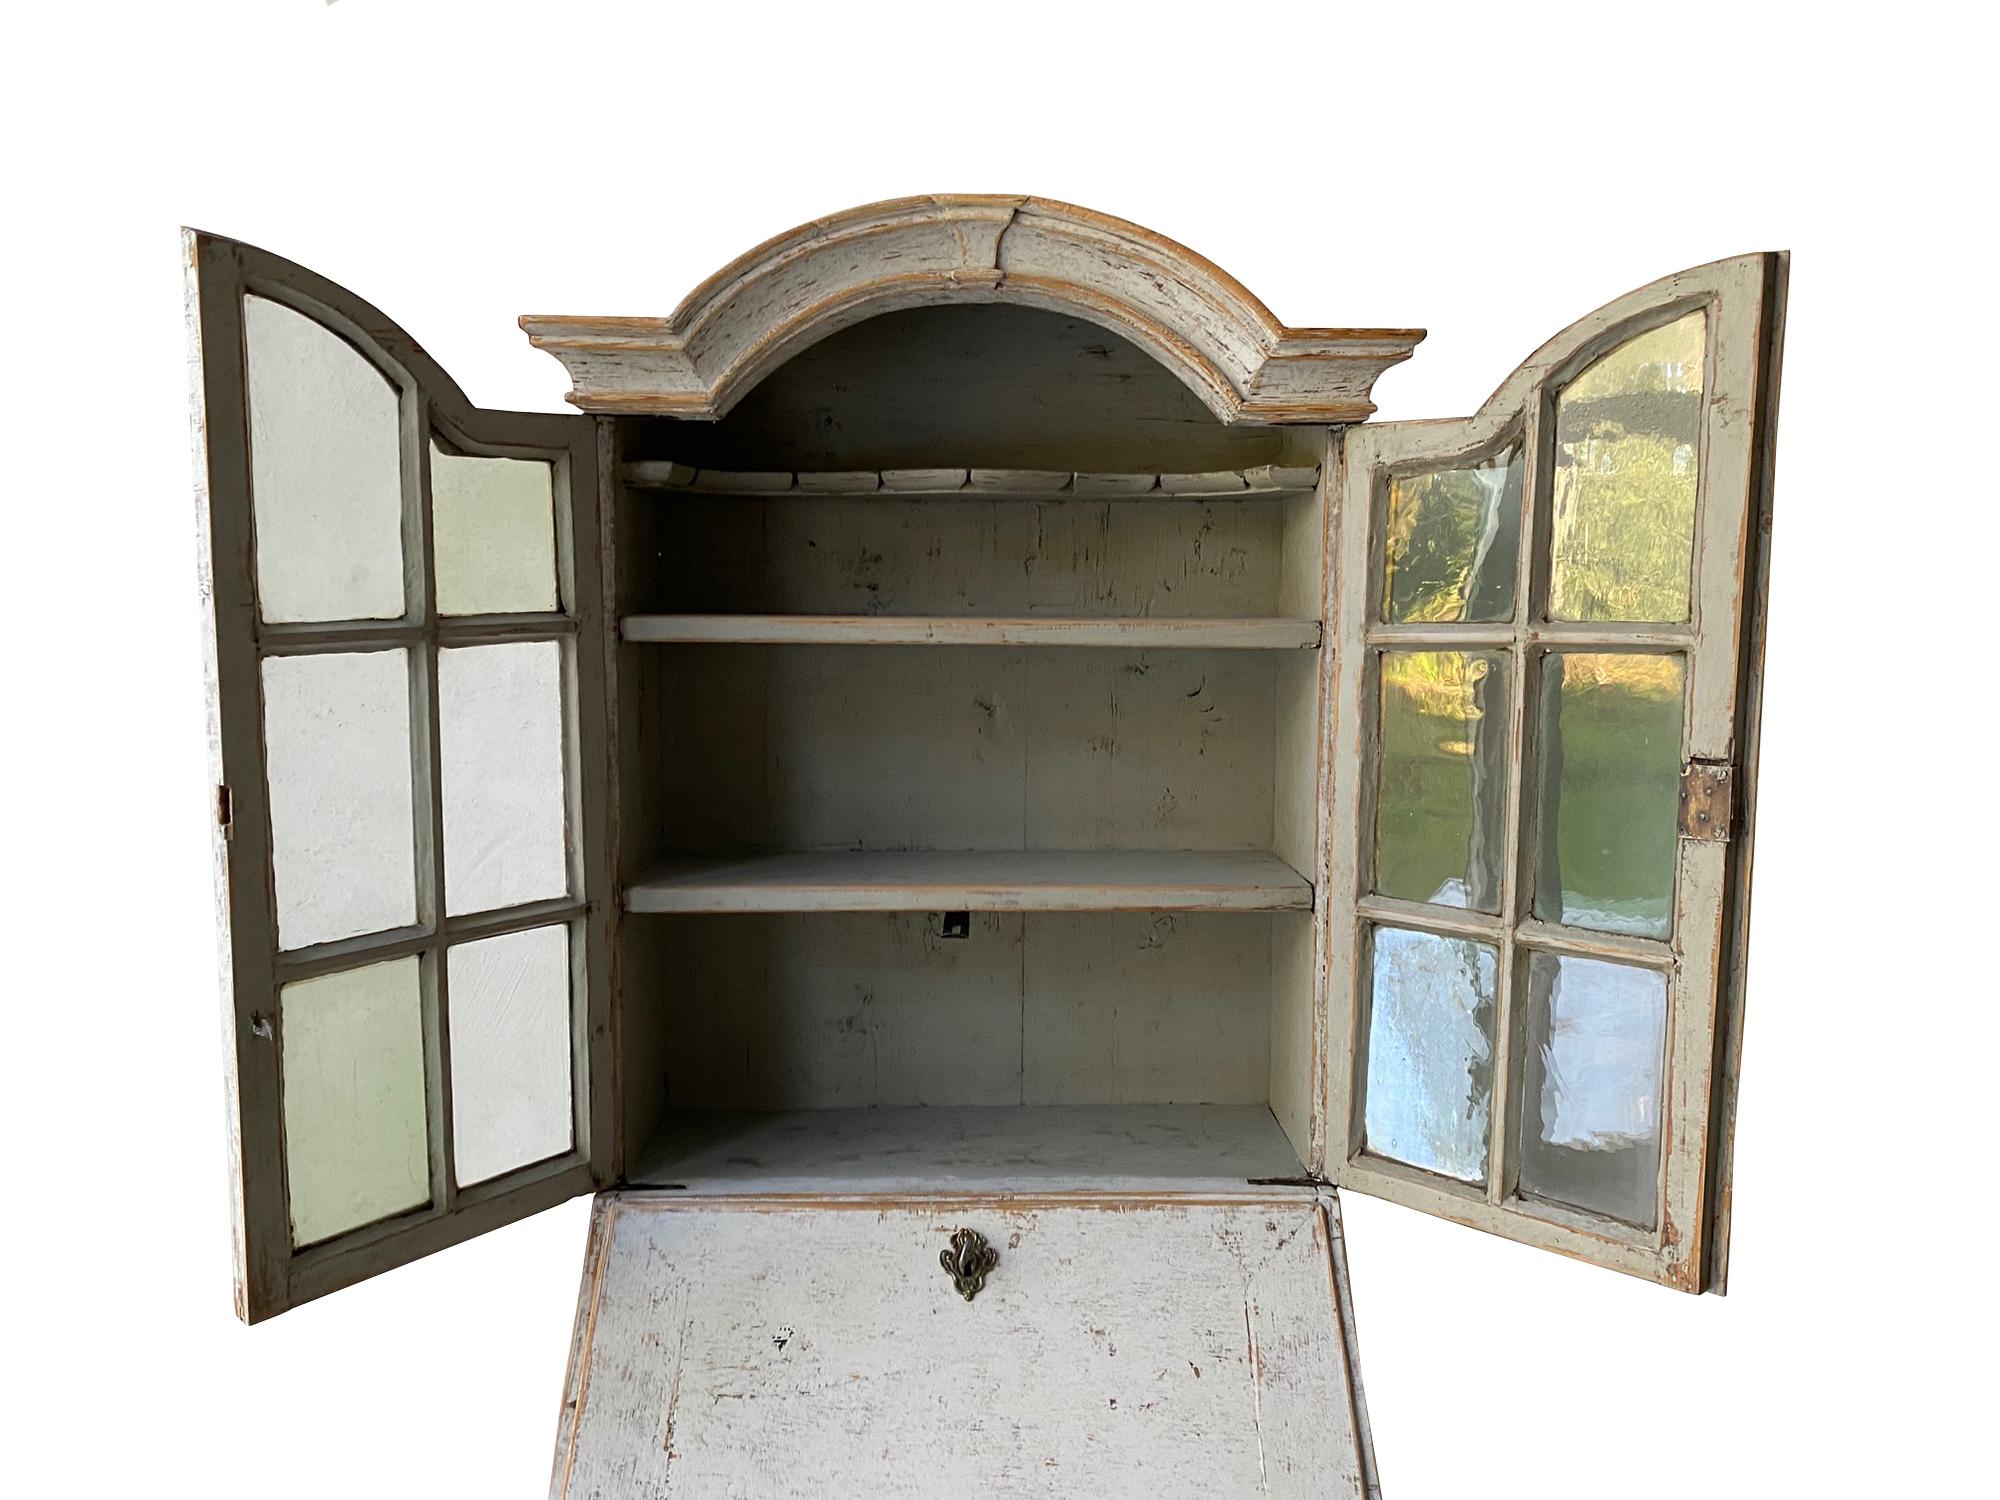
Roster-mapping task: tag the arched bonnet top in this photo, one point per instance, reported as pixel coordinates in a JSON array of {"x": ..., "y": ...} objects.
[{"x": 791, "y": 291}]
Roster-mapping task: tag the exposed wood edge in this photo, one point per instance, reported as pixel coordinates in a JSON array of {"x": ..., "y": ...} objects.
[
  {"x": 1253, "y": 634},
  {"x": 1343, "y": 1295},
  {"x": 797, "y": 288},
  {"x": 1718, "y": 1201},
  {"x": 1266, "y": 481}
]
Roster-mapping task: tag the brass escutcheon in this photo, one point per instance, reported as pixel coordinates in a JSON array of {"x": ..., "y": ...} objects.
[{"x": 968, "y": 1260}]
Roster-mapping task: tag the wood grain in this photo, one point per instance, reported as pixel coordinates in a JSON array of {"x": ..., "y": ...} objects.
[
  {"x": 794, "y": 290},
  {"x": 974, "y": 880},
  {"x": 724, "y": 1350},
  {"x": 1157, "y": 633}
]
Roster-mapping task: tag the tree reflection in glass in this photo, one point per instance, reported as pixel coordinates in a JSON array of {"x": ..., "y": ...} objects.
[
  {"x": 1608, "y": 816},
  {"x": 1440, "y": 807},
  {"x": 1451, "y": 543},
  {"x": 1627, "y": 465}
]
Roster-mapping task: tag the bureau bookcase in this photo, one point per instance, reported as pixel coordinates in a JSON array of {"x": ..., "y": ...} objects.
[{"x": 965, "y": 793}]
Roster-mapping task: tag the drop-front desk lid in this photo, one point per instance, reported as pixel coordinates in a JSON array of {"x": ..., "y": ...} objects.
[{"x": 1136, "y": 1343}]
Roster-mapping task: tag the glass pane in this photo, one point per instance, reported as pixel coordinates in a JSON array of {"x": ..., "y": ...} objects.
[
  {"x": 1452, "y": 541},
  {"x": 1440, "y": 807},
  {"x": 356, "y": 1148},
  {"x": 1627, "y": 460},
  {"x": 500, "y": 720},
  {"x": 493, "y": 533},
  {"x": 1610, "y": 779},
  {"x": 1591, "y": 1138},
  {"x": 337, "y": 747},
  {"x": 326, "y": 472},
  {"x": 510, "y": 1058},
  {"x": 1430, "y": 1052}
]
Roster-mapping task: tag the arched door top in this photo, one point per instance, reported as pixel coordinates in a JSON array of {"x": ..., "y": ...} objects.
[{"x": 793, "y": 290}]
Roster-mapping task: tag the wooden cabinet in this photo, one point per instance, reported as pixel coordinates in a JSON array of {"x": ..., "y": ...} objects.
[{"x": 969, "y": 728}]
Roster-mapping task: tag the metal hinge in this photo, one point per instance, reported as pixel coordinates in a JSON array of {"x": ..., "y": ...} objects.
[
  {"x": 1708, "y": 798},
  {"x": 225, "y": 813}
]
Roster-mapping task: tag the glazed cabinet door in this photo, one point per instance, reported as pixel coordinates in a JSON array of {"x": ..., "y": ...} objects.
[
  {"x": 406, "y": 684},
  {"x": 1549, "y": 635}
]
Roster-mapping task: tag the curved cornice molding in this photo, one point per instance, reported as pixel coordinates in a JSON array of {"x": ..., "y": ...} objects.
[{"x": 791, "y": 291}]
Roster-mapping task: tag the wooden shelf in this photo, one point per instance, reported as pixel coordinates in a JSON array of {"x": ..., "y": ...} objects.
[
  {"x": 1008, "y": 1148},
  {"x": 1255, "y": 633},
  {"x": 979, "y": 880},
  {"x": 1269, "y": 481}
]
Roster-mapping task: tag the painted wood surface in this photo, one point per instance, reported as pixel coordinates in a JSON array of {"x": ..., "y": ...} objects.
[
  {"x": 831, "y": 1010},
  {"x": 1127, "y": 1347},
  {"x": 916, "y": 630},
  {"x": 1160, "y": 557},
  {"x": 911, "y": 747},
  {"x": 971, "y": 387},
  {"x": 1048, "y": 1148},
  {"x": 976, "y": 880},
  {"x": 795, "y": 289},
  {"x": 1260, "y": 482}
]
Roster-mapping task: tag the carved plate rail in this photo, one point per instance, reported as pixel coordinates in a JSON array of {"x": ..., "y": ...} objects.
[{"x": 1265, "y": 482}]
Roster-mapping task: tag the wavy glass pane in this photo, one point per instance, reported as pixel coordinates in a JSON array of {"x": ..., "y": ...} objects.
[
  {"x": 337, "y": 746},
  {"x": 493, "y": 533},
  {"x": 326, "y": 472},
  {"x": 1610, "y": 762},
  {"x": 1452, "y": 542},
  {"x": 510, "y": 1051},
  {"x": 1627, "y": 463},
  {"x": 500, "y": 724},
  {"x": 1591, "y": 1139},
  {"x": 1430, "y": 1052},
  {"x": 1440, "y": 806},
  {"x": 356, "y": 1147}
]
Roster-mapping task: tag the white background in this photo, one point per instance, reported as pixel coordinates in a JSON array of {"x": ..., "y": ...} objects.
[{"x": 1490, "y": 175}]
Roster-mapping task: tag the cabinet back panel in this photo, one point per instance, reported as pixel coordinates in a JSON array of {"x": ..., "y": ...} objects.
[
  {"x": 1002, "y": 387},
  {"x": 968, "y": 556},
  {"x": 835, "y": 1011},
  {"x": 1002, "y": 748}
]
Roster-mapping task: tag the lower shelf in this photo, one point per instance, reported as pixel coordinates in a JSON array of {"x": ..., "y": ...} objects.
[
  {"x": 1057, "y": 1147},
  {"x": 977, "y": 880}
]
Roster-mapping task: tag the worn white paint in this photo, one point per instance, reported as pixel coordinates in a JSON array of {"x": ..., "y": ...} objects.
[
  {"x": 990, "y": 880},
  {"x": 1161, "y": 633},
  {"x": 1129, "y": 1347},
  {"x": 1048, "y": 1148},
  {"x": 797, "y": 288},
  {"x": 1260, "y": 482},
  {"x": 826, "y": 1010}
]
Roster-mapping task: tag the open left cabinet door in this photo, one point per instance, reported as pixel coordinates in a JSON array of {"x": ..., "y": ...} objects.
[
  {"x": 406, "y": 709},
  {"x": 1549, "y": 627}
]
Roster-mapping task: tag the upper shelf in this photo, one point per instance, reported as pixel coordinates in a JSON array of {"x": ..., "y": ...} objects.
[
  {"x": 1142, "y": 633},
  {"x": 1267, "y": 482},
  {"x": 1199, "y": 322},
  {"x": 979, "y": 880}
]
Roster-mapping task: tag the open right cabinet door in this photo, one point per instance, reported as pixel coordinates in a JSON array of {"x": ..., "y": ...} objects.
[{"x": 1549, "y": 630}]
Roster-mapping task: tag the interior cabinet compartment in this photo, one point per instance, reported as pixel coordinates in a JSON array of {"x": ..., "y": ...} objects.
[{"x": 1029, "y": 1012}]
